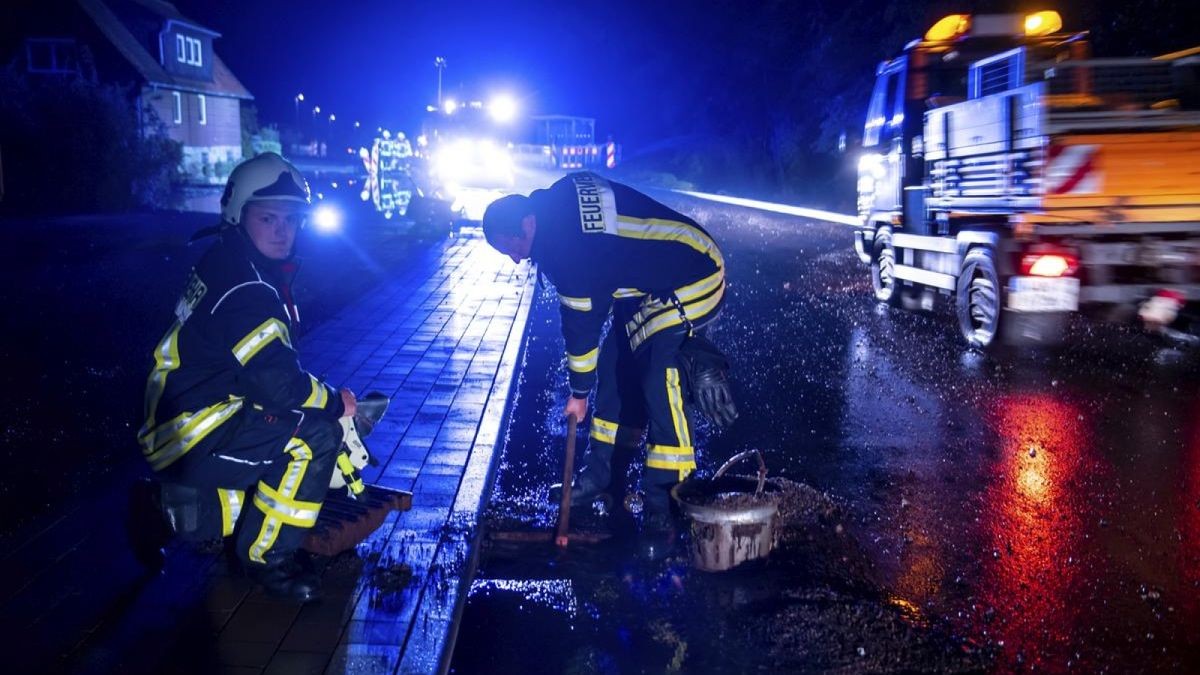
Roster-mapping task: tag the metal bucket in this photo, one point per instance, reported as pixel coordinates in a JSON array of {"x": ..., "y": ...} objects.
[{"x": 724, "y": 534}]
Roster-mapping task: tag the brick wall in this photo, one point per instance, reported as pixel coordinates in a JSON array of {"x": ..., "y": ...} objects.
[
  {"x": 224, "y": 122},
  {"x": 208, "y": 148}
]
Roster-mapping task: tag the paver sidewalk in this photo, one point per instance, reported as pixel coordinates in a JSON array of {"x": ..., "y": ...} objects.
[{"x": 444, "y": 340}]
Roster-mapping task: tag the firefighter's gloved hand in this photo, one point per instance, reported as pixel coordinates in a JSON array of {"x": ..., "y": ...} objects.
[
  {"x": 707, "y": 373},
  {"x": 710, "y": 388}
]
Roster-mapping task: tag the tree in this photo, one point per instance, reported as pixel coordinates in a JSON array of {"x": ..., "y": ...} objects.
[{"x": 74, "y": 145}]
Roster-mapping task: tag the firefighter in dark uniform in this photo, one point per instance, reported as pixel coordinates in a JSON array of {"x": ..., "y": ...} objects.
[
  {"x": 242, "y": 439},
  {"x": 610, "y": 250}
]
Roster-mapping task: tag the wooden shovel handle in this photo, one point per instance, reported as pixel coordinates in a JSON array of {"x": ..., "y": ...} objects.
[{"x": 564, "y": 507}]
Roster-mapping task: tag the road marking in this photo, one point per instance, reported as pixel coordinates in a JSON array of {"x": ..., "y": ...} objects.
[{"x": 830, "y": 216}]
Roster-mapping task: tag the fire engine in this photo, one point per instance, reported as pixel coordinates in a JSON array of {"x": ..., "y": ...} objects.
[{"x": 1009, "y": 172}]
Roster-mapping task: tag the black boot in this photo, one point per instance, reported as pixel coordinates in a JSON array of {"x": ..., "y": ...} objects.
[
  {"x": 285, "y": 577},
  {"x": 658, "y": 533},
  {"x": 592, "y": 480},
  {"x": 146, "y": 524}
]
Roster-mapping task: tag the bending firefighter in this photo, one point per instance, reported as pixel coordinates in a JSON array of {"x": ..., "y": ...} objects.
[
  {"x": 243, "y": 440},
  {"x": 610, "y": 250}
]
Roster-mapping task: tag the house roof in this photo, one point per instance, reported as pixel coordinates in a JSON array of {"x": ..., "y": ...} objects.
[{"x": 132, "y": 26}]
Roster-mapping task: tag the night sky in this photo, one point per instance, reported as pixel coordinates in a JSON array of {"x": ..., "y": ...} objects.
[
  {"x": 374, "y": 60},
  {"x": 756, "y": 70}
]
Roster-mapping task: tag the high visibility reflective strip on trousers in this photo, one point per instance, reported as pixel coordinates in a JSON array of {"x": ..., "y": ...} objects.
[
  {"x": 231, "y": 508},
  {"x": 279, "y": 506},
  {"x": 682, "y": 456}
]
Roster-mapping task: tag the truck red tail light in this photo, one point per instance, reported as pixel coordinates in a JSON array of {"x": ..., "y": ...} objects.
[{"x": 1048, "y": 264}]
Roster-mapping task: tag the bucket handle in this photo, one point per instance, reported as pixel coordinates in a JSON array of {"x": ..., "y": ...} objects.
[{"x": 762, "y": 467}]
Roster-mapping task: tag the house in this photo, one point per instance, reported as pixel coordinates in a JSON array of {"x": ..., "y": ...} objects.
[{"x": 180, "y": 86}]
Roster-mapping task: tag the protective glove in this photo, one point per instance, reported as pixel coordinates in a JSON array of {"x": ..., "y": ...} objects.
[
  {"x": 713, "y": 396},
  {"x": 706, "y": 370}
]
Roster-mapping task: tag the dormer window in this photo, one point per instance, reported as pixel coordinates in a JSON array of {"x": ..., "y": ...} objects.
[{"x": 189, "y": 50}]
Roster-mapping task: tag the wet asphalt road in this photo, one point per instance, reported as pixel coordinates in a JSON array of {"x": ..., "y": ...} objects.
[{"x": 1037, "y": 512}]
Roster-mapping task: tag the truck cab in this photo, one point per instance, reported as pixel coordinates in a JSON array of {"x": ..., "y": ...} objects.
[{"x": 995, "y": 141}]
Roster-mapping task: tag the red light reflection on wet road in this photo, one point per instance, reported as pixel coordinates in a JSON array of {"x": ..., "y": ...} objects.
[
  {"x": 1189, "y": 555},
  {"x": 1032, "y": 523}
]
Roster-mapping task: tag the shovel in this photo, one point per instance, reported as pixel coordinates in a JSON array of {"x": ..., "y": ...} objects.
[
  {"x": 562, "y": 534},
  {"x": 564, "y": 506}
]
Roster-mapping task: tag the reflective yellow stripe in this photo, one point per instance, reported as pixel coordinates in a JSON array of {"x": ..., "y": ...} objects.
[
  {"x": 350, "y": 473},
  {"x": 285, "y": 512},
  {"x": 271, "y": 329},
  {"x": 577, "y": 304},
  {"x": 662, "y": 229},
  {"x": 628, "y": 293},
  {"x": 319, "y": 396},
  {"x": 278, "y": 505},
  {"x": 686, "y": 294},
  {"x": 671, "y": 457},
  {"x": 231, "y": 509},
  {"x": 585, "y": 363},
  {"x": 675, "y": 401},
  {"x": 700, "y": 288},
  {"x": 166, "y": 360},
  {"x": 170, "y": 441},
  {"x": 695, "y": 312},
  {"x": 603, "y": 430}
]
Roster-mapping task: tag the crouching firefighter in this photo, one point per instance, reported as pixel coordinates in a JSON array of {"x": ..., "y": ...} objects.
[
  {"x": 610, "y": 250},
  {"x": 242, "y": 439}
]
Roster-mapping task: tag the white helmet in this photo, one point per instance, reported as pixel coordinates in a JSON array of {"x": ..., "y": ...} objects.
[{"x": 267, "y": 176}]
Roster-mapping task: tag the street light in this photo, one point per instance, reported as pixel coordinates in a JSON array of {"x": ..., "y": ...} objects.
[
  {"x": 296, "y": 100},
  {"x": 439, "y": 63}
]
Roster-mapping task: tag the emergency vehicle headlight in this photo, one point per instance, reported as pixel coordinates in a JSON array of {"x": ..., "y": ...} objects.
[
  {"x": 1042, "y": 23},
  {"x": 503, "y": 108},
  {"x": 871, "y": 164},
  {"x": 949, "y": 27}
]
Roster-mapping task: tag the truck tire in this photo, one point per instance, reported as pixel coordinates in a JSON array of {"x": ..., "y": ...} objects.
[
  {"x": 979, "y": 300},
  {"x": 883, "y": 269}
]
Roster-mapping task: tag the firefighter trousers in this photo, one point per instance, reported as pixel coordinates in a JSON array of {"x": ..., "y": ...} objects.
[
  {"x": 644, "y": 390},
  {"x": 281, "y": 464}
]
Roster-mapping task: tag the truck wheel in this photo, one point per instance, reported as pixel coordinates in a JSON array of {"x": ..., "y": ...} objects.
[
  {"x": 883, "y": 269},
  {"x": 979, "y": 300}
]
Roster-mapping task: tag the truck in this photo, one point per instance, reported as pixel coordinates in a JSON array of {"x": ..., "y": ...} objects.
[{"x": 1012, "y": 175}]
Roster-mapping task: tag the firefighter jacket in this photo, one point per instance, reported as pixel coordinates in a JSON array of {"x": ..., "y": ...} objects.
[
  {"x": 599, "y": 241},
  {"x": 229, "y": 347}
]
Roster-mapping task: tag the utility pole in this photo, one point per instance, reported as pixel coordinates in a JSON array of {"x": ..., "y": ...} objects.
[{"x": 439, "y": 63}]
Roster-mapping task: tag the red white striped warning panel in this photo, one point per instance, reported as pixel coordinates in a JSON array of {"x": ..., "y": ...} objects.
[{"x": 1072, "y": 170}]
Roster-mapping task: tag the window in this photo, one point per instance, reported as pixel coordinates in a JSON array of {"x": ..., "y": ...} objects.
[
  {"x": 189, "y": 50},
  {"x": 886, "y": 110},
  {"x": 202, "y": 106},
  {"x": 998, "y": 73},
  {"x": 178, "y": 107},
  {"x": 56, "y": 56}
]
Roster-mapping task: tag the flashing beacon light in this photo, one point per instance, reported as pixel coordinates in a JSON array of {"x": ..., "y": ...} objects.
[
  {"x": 949, "y": 27},
  {"x": 1042, "y": 23}
]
